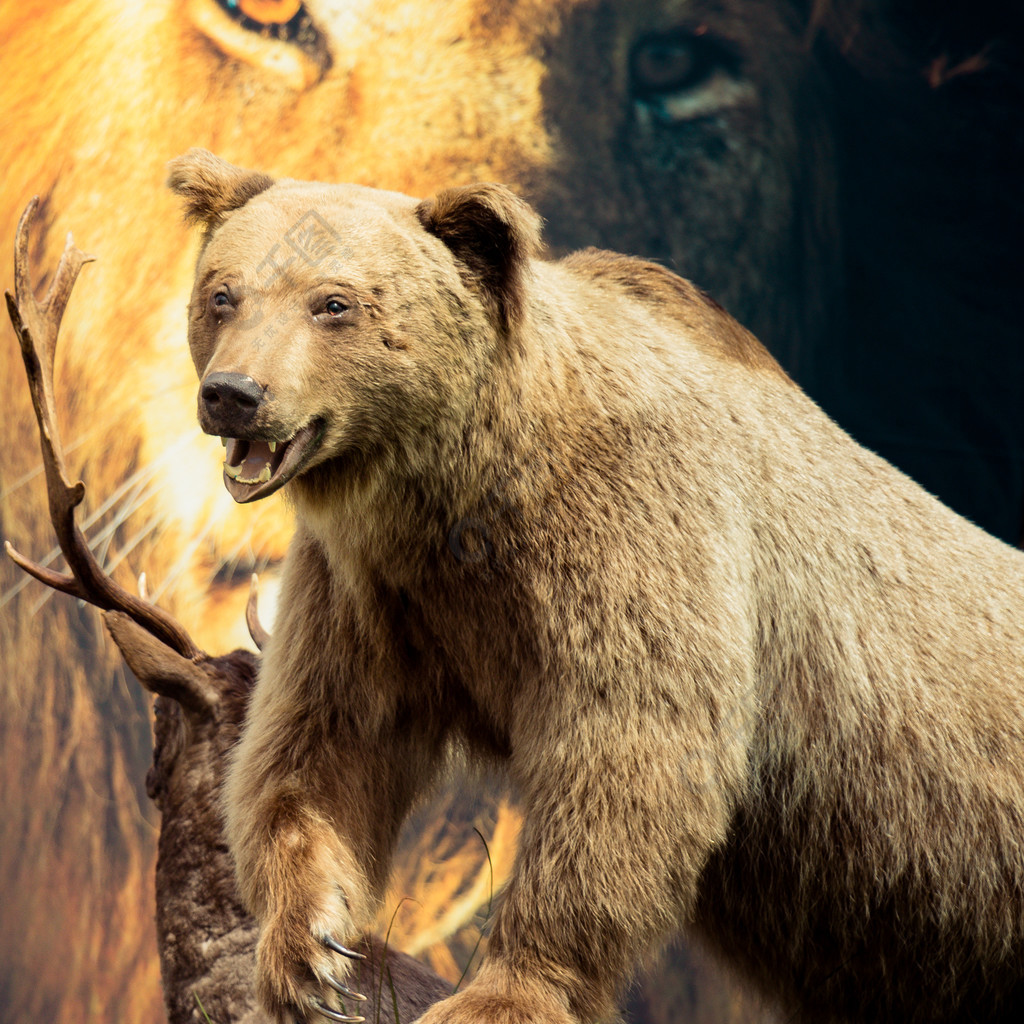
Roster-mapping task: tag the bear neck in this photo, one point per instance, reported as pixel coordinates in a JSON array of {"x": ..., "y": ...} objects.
[{"x": 412, "y": 506}]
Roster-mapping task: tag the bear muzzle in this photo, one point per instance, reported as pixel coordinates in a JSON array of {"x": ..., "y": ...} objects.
[
  {"x": 256, "y": 464},
  {"x": 255, "y": 468}
]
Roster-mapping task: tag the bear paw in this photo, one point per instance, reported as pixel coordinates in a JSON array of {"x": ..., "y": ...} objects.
[
  {"x": 505, "y": 1003},
  {"x": 301, "y": 981}
]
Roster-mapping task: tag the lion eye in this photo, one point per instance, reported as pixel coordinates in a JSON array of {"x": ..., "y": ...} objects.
[
  {"x": 675, "y": 61},
  {"x": 287, "y": 20},
  {"x": 681, "y": 76},
  {"x": 279, "y": 36}
]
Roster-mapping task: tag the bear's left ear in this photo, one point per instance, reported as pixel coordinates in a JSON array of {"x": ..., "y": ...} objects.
[
  {"x": 211, "y": 186},
  {"x": 493, "y": 234}
]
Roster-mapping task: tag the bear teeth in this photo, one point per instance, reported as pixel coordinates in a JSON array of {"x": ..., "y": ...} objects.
[
  {"x": 252, "y": 462},
  {"x": 235, "y": 472}
]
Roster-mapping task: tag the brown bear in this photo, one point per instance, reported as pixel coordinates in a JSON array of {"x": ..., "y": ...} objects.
[{"x": 568, "y": 517}]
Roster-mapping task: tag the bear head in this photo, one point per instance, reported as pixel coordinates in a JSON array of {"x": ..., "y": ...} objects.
[{"x": 342, "y": 324}]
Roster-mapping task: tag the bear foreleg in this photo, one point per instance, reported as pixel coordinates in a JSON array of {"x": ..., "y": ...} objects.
[
  {"x": 620, "y": 817},
  {"x": 322, "y": 778}
]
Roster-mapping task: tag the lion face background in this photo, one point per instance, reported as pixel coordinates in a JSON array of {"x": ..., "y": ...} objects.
[{"x": 703, "y": 133}]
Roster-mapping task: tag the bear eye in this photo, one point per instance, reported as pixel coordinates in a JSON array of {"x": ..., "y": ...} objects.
[
  {"x": 220, "y": 302},
  {"x": 335, "y": 307}
]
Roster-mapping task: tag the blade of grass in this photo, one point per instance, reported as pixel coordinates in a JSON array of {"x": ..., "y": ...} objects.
[
  {"x": 383, "y": 962},
  {"x": 487, "y": 916},
  {"x": 394, "y": 995},
  {"x": 202, "y": 1008}
]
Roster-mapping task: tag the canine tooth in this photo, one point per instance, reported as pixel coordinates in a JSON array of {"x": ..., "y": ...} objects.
[
  {"x": 232, "y": 471},
  {"x": 273, "y": 447},
  {"x": 224, "y": 442},
  {"x": 264, "y": 473}
]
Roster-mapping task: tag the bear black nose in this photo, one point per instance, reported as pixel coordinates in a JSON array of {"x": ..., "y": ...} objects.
[{"x": 228, "y": 402}]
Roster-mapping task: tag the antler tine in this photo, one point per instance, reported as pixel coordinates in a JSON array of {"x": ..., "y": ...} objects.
[
  {"x": 37, "y": 325},
  {"x": 43, "y": 320},
  {"x": 252, "y": 616}
]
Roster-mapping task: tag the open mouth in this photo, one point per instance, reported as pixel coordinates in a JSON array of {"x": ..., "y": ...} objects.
[{"x": 255, "y": 469}]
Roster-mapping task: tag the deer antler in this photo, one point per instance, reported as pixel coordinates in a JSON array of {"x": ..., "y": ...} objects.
[
  {"x": 37, "y": 325},
  {"x": 252, "y": 616}
]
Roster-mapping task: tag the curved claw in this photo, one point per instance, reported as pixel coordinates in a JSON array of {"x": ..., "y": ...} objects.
[
  {"x": 331, "y": 943},
  {"x": 342, "y": 989},
  {"x": 333, "y": 1014}
]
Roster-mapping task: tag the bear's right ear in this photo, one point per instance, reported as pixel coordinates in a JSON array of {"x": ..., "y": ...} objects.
[
  {"x": 211, "y": 186},
  {"x": 493, "y": 234}
]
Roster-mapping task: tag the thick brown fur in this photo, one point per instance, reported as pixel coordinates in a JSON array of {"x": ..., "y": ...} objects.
[
  {"x": 852, "y": 193},
  {"x": 747, "y": 678},
  {"x": 213, "y": 187}
]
